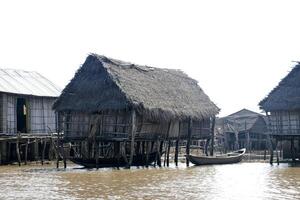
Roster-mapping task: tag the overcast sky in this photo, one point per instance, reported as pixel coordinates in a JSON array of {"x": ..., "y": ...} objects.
[{"x": 237, "y": 50}]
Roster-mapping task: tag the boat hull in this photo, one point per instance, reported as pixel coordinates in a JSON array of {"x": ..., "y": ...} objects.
[
  {"x": 231, "y": 158},
  {"x": 138, "y": 160}
]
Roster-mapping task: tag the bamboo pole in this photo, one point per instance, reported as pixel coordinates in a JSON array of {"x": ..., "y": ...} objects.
[{"x": 168, "y": 152}]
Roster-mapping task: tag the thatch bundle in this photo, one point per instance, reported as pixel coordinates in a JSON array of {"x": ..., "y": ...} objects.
[
  {"x": 108, "y": 84},
  {"x": 286, "y": 96}
]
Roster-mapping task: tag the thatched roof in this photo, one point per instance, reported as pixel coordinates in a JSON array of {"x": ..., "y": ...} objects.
[
  {"x": 286, "y": 96},
  {"x": 104, "y": 84}
]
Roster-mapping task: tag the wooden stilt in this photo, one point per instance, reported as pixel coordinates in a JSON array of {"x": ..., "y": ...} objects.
[
  {"x": 18, "y": 151},
  {"x": 168, "y": 152},
  {"x": 277, "y": 157},
  {"x": 190, "y": 124},
  {"x": 124, "y": 153},
  {"x": 1, "y": 146},
  {"x": 167, "y": 144},
  {"x": 57, "y": 150},
  {"x": 144, "y": 150},
  {"x": 132, "y": 130},
  {"x": 147, "y": 153},
  {"x": 271, "y": 152},
  {"x": 212, "y": 136},
  {"x": 44, "y": 149},
  {"x": 26, "y": 151},
  {"x": 158, "y": 154},
  {"x": 293, "y": 150},
  {"x": 206, "y": 146},
  {"x": 36, "y": 149},
  {"x": 176, "y": 152},
  {"x": 97, "y": 154},
  {"x": 9, "y": 151}
]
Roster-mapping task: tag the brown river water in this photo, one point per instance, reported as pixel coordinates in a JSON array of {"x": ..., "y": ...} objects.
[{"x": 237, "y": 181}]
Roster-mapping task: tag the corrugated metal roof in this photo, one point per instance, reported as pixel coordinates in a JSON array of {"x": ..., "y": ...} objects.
[{"x": 27, "y": 83}]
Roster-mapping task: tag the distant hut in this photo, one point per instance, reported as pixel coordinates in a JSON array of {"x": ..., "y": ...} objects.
[
  {"x": 243, "y": 129},
  {"x": 26, "y": 100},
  {"x": 26, "y": 115},
  {"x": 117, "y": 108},
  {"x": 282, "y": 106}
]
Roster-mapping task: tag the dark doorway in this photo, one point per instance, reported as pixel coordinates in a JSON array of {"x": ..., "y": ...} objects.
[{"x": 21, "y": 115}]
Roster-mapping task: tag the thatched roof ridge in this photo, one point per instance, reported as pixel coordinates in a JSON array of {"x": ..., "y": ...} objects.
[
  {"x": 286, "y": 96},
  {"x": 103, "y": 83}
]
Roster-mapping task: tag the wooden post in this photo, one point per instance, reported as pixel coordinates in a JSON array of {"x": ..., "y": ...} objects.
[
  {"x": 158, "y": 153},
  {"x": 188, "y": 143},
  {"x": 57, "y": 151},
  {"x": 206, "y": 146},
  {"x": 18, "y": 150},
  {"x": 1, "y": 150},
  {"x": 167, "y": 144},
  {"x": 271, "y": 152},
  {"x": 97, "y": 154},
  {"x": 277, "y": 156},
  {"x": 147, "y": 153},
  {"x": 44, "y": 142},
  {"x": 177, "y": 147},
  {"x": 36, "y": 149},
  {"x": 124, "y": 152},
  {"x": 212, "y": 136},
  {"x": 26, "y": 150},
  {"x": 176, "y": 152},
  {"x": 168, "y": 152},
  {"x": 132, "y": 133},
  {"x": 293, "y": 150}
]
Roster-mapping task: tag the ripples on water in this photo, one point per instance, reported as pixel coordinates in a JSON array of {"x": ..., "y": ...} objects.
[{"x": 237, "y": 181}]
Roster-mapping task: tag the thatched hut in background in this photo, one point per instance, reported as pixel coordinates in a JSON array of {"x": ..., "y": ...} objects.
[
  {"x": 111, "y": 102},
  {"x": 282, "y": 106},
  {"x": 243, "y": 129}
]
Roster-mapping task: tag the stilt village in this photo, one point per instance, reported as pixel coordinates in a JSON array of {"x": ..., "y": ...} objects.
[{"x": 117, "y": 114}]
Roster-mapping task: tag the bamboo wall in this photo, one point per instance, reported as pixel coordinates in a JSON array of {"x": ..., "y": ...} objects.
[
  {"x": 116, "y": 125},
  {"x": 40, "y": 116},
  {"x": 284, "y": 123}
]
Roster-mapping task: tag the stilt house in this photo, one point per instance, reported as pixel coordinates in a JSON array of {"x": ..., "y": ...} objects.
[
  {"x": 26, "y": 100},
  {"x": 110, "y": 100},
  {"x": 282, "y": 106},
  {"x": 243, "y": 129}
]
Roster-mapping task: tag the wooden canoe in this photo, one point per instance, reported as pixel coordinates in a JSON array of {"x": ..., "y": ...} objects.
[
  {"x": 138, "y": 160},
  {"x": 229, "y": 158}
]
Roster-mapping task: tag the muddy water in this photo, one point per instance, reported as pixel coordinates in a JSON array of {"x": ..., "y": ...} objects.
[{"x": 238, "y": 181}]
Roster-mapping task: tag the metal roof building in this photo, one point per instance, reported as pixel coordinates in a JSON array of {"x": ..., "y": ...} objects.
[{"x": 26, "y": 100}]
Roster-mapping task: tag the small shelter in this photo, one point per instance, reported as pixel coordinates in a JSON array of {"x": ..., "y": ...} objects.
[
  {"x": 117, "y": 107},
  {"x": 26, "y": 115},
  {"x": 282, "y": 107},
  {"x": 243, "y": 129}
]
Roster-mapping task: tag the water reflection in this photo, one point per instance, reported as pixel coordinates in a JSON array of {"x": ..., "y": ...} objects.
[{"x": 238, "y": 181}]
